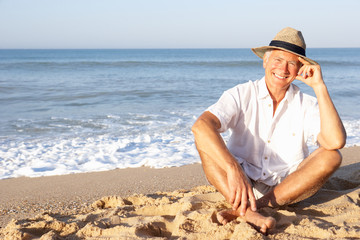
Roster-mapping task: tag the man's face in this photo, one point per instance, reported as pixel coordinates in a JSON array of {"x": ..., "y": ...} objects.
[{"x": 281, "y": 68}]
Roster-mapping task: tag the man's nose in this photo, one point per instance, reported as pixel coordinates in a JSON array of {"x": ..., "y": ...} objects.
[{"x": 284, "y": 66}]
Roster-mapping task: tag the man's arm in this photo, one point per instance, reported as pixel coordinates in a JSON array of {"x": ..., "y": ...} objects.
[
  {"x": 332, "y": 132},
  {"x": 225, "y": 170}
]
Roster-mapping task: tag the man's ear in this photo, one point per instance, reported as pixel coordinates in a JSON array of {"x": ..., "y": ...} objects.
[{"x": 265, "y": 60}]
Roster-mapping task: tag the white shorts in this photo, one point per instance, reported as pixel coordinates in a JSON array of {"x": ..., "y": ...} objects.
[{"x": 259, "y": 188}]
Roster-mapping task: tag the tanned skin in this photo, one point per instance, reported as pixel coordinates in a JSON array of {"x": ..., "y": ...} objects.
[{"x": 224, "y": 172}]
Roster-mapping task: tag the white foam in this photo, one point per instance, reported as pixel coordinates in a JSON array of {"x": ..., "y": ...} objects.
[
  {"x": 58, "y": 156},
  {"x": 157, "y": 145},
  {"x": 353, "y": 132}
]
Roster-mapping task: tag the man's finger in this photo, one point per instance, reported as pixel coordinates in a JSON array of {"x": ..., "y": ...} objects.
[
  {"x": 243, "y": 203},
  {"x": 303, "y": 61},
  {"x": 303, "y": 73},
  {"x": 300, "y": 78},
  {"x": 237, "y": 200},
  {"x": 252, "y": 200},
  {"x": 232, "y": 197}
]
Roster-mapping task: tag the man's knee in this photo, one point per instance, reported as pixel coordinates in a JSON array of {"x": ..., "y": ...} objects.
[
  {"x": 335, "y": 159},
  {"x": 331, "y": 160}
]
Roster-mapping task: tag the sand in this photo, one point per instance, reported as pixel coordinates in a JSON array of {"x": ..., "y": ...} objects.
[{"x": 172, "y": 203}]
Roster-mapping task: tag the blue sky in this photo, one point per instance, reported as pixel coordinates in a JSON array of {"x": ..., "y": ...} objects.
[{"x": 174, "y": 23}]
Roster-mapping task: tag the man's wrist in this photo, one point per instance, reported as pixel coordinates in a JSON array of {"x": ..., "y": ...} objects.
[
  {"x": 234, "y": 166},
  {"x": 319, "y": 88}
]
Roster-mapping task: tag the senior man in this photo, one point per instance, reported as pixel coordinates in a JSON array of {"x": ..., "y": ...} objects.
[{"x": 266, "y": 162}]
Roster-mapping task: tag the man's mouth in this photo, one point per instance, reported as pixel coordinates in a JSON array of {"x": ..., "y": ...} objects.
[{"x": 280, "y": 77}]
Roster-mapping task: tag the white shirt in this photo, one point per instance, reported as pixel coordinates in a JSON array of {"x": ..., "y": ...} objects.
[{"x": 268, "y": 147}]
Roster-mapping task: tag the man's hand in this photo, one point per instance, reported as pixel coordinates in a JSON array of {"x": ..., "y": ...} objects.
[
  {"x": 240, "y": 190},
  {"x": 310, "y": 74},
  {"x": 332, "y": 134},
  {"x": 221, "y": 168}
]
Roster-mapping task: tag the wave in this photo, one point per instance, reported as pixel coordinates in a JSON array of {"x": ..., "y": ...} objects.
[
  {"x": 107, "y": 142},
  {"x": 73, "y": 65},
  {"x": 339, "y": 63},
  {"x": 126, "y": 64}
]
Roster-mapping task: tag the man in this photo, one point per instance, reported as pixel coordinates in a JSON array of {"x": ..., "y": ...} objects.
[{"x": 266, "y": 162}]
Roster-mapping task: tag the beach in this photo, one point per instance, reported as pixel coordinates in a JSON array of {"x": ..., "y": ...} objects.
[
  {"x": 78, "y": 111},
  {"x": 97, "y": 144},
  {"x": 167, "y": 203}
]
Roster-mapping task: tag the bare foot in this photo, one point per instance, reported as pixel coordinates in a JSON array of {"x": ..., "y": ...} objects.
[
  {"x": 258, "y": 221},
  {"x": 226, "y": 216}
]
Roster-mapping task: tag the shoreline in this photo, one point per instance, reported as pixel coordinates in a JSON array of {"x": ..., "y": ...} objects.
[{"x": 24, "y": 198}]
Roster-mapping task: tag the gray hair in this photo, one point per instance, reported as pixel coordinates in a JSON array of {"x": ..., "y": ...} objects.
[{"x": 267, "y": 54}]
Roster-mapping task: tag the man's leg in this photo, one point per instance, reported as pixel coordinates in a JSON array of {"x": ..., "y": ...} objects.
[
  {"x": 217, "y": 177},
  {"x": 214, "y": 174},
  {"x": 309, "y": 177}
]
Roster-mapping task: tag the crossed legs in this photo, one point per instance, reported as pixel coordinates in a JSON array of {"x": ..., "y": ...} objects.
[{"x": 310, "y": 175}]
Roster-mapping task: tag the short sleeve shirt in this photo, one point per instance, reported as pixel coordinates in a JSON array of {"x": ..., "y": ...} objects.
[{"x": 268, "y": 146}]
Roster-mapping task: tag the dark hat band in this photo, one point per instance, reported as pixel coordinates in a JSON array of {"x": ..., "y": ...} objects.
[{"x": 289, "y": 46}]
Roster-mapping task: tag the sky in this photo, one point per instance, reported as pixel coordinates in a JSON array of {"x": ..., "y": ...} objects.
[{"x": 44, "y": 24}]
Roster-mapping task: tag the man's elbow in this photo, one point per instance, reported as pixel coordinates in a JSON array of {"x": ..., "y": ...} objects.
[
  {"x": 335, "y": 144},
  {"x": 341, "y": 141},
  {"x": 332, "y": 143},
  {"x": 206, "y": 122},
  {"x": 194, "y": 128},
  {"x": 340, "y": 144},
  {"x": 198, "y": 125}
]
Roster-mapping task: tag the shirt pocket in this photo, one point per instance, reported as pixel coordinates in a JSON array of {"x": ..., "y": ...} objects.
[{"x": 291, "y": 148}]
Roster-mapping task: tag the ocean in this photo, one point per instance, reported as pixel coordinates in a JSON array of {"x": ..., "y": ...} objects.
[{"x": 72, "y": 111}]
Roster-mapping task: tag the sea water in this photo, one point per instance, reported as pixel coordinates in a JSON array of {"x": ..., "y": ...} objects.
[{"x": 71, "y": 111}]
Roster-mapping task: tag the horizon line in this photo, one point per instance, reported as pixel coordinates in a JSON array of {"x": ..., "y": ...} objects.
[{"x": 188, "y": 48}]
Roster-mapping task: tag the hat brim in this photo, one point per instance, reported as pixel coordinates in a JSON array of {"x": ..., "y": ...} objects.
[{"x": 260, "y": 51}]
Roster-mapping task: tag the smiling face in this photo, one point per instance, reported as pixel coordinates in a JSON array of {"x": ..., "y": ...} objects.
[{"x": 281, "y": 68}]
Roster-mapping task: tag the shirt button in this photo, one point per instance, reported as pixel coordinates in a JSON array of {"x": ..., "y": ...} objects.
[
  {"x": 264, "y": 174},
  {"x": 268, "y": 141},
  {"x": 269, "y": 105},
  {"x": 266, "y": 158}
]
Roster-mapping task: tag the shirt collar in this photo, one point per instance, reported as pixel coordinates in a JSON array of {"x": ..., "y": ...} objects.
[
  {"x": 264, "y": 92},
  {"x": 290, "y": 93}
]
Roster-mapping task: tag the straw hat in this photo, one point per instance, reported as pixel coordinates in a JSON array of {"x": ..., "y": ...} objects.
[{"x": 288, "y": 39}]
